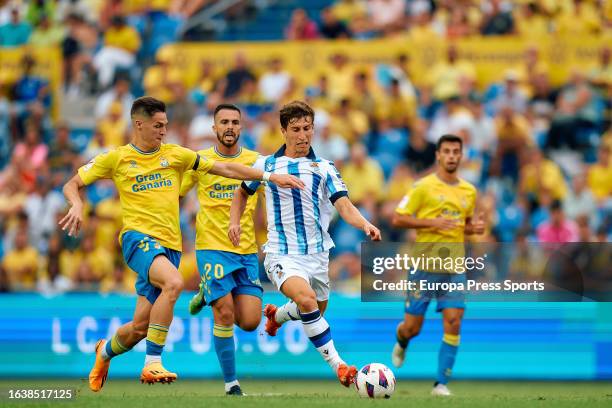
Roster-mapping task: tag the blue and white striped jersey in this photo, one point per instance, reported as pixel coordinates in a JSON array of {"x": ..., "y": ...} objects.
[{"x": 298, "y": 219}]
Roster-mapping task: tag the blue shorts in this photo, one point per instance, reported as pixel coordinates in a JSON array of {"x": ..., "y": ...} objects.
[
  {"x": 225, "y": 272},
  {"x": 139, "y": 251},
  {"x": 417, "y": 301}
]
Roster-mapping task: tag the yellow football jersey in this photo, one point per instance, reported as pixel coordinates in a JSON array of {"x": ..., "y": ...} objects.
[
  {"x": 149, "y": 185},
  {"x": 431, "y": 197},
  {"x": 215, "y": 194}
]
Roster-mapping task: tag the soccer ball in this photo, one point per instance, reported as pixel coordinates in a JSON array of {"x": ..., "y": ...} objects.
[{"x": 375, "y": 380}]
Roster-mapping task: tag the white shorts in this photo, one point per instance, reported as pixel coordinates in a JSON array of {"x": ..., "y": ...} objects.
[{"x": 313, "y": 268}]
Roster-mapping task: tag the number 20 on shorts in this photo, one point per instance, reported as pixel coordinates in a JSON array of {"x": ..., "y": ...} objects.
[{"x": 217, "y": 270}]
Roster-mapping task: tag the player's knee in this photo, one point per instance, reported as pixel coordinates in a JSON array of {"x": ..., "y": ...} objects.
[
  {"x": 224, "y": 314},
  {"x": 306, "y": 301},
  {"x": 250, "y": 323},
  {"x": 173, "y": 287},
  {"x": 452, "y": 324}
]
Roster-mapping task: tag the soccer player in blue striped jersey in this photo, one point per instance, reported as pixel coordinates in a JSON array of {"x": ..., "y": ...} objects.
[{"x": 297, "y": 251}]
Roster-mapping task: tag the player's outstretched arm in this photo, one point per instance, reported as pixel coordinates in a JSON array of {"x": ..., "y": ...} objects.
[
  {"x": 242, "y": 172},
  {"x": 74, "y": 218},
  {"x": 236, "y": 210},
  {"x": 351, "y": 215},
  {"x": 410, "y": 221}
]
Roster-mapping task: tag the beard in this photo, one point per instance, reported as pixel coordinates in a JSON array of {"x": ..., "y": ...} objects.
[
  {"x": 221, "y": 139},
  {"x": 451, "y": 168}
]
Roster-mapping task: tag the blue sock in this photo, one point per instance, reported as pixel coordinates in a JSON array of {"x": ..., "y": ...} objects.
[
  {"x": 156, "y": 339},
  {"x": 446, "y": 358},
  {"x": 223, "y": 338}
]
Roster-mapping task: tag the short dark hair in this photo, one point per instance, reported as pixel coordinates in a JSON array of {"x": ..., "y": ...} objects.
[
  {"x": 229, "y": 106},
  {"x": 148, "y": 106},
  {"x": 448, "y": 138},
  {"x": 556, "y": 205},
  {"x": 295, "y": 110}
]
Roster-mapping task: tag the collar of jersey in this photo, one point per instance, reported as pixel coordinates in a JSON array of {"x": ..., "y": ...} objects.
[
  {"x": 142, "y": 151},
  {"x": 445, "y": 183},
  {"x": 228, "y": 156},
  {"x": 281, "y": 152}
]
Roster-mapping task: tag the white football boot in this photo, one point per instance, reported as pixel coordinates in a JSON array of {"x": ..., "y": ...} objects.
[
  {"x": 441, "y": 390},
  {"x": 397, "y": 355}
]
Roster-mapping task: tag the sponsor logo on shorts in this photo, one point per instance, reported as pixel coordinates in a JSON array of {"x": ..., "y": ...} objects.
[{"x": 277, "y": 269}]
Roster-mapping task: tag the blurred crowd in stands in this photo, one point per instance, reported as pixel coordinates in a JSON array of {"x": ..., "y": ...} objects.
[
  {"x": 539, "y": 154},
  {"x": 451, "y": 19}
]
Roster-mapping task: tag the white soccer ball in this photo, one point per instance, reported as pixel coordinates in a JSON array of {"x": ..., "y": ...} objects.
[{"x": 375, "y": 380}]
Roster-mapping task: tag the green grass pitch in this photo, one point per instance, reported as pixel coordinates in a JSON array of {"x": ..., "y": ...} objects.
[{"x": 310, "y": 394}]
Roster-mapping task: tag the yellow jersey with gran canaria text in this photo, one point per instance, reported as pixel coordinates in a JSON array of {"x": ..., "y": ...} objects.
[
  {"x": 431, "y": 197},
  {"x": 215, "y": 194},
  {"x": 149, "y": 185}
]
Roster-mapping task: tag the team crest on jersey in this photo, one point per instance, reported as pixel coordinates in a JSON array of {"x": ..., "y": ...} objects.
[
  {"x": 163, "y": 162},
  {"x": 133, "y": 164},
  {"x": 441, "y": 197},
  {"x": 314, "y": 165},
  {"x": 464, "y": 203}
]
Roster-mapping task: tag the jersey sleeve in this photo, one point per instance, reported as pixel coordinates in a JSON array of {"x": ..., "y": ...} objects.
[
  {"x": 191, "y": 160},
  {"x": 334, "y": 186},
  {"x": 100, "y": 167},
  {"x": 251, "y": 186},
  {"x": 190, "y": 179},
  {"x": 203, "y": 164},
  {"x": 411, "y": 202}
]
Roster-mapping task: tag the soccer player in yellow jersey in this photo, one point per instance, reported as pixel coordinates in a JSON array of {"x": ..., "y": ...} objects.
[
  {"x": 230, "y": 275},
  {"x": 441, "y": 208},
  {"x": 148, "y": 174}
]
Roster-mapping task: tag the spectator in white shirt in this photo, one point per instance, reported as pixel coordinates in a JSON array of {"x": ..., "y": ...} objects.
[{"x": 275, "y": 82}]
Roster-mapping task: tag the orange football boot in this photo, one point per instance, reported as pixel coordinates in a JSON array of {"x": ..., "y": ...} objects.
[
  {"x": 272, "y": 325},
  {"x": 99, "y": 372},
  {"x": 155, "y": 372},
  {"x": 346, "y": 374}
]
